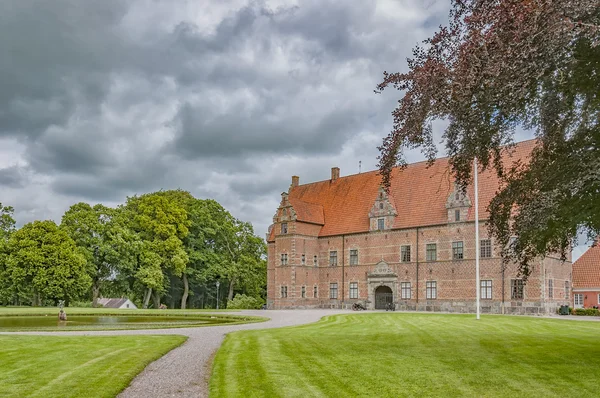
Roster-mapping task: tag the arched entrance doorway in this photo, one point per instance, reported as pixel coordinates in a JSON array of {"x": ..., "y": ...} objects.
[{"x": 383, "y": 296}]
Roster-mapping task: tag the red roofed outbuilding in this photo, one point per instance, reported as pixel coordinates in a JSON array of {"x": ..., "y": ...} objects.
[{"x": 586, "y": 279}]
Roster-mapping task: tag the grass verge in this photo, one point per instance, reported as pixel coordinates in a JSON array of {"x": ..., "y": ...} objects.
[
  {"x": 405, "y": 355},
  {"x": 76, "y": 366}
]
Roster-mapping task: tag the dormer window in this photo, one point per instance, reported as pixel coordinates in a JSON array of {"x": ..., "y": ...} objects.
[
  {"x": 457, "y": 215},
  {"x": 381, "y": 224},
  {"x": 284, "y": 229}
]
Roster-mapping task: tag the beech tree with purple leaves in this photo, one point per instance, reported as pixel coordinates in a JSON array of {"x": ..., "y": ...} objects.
[{"x": 499, "y": 65}]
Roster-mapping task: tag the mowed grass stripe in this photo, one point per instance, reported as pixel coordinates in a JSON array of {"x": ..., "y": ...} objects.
[
  {"x": 403, "y": 354},
  {"x": 76, "y": 366}
]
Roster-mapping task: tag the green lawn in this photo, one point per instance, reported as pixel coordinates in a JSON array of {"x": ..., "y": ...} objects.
[
  {"x": 82, "y": 366},
  {"x": 402, "y": 354}
]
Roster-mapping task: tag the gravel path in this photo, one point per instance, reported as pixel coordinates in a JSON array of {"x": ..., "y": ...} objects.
[{"x": 184, "y": 371}]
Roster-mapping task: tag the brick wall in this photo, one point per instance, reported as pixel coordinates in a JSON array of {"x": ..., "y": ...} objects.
[{"x": 455, "y": 278}]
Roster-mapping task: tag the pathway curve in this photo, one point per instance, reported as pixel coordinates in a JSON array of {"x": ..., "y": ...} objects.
[{"x": 184, "y": 371}]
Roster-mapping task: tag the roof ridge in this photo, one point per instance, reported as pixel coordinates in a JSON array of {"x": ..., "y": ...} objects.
[{"x": 407, "y": 165}]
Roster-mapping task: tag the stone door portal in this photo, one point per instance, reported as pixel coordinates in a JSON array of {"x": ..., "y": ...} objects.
[{"x": 383, "y": 296}]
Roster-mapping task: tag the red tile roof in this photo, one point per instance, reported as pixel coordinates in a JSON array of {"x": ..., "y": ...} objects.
[
  {"x": 308, "y": 212},
  {"x": 586, "y": 270},
  {"x": 418, "y": 192}
]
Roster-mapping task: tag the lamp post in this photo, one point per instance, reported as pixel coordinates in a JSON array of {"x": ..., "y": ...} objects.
[{"x": 218, "y": 283}]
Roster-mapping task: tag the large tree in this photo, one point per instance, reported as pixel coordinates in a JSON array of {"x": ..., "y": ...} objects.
[
  {"x": 161, "y": 224},
  {"x": 7, "y": 227},
  {"x": 45, "y": 264},
  {"x": 496, "y": 66},
  {"x": 108, "y": 245}
]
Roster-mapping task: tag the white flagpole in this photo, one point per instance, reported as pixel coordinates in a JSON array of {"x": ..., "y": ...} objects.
[{"x": 477, "y": 287}]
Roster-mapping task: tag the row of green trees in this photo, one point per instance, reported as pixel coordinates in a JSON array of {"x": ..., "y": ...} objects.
[{"x": 162, "y": 247}]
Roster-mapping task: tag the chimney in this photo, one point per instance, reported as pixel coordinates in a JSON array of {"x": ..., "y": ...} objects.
[
  {"x": 335, "y": 173},
  {"x": 295, "y": 181}
]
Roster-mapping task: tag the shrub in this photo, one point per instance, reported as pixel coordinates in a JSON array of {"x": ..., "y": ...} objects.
[
  {"x": 243, "y": 302},
  {"x": 586, "y": 311}
]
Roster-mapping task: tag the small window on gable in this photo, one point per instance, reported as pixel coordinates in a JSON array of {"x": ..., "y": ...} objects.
[
  {"x": 380, "y": 224},
  {"x": 284, "y": 229},
  {"x": 457, "y": 195},
  {"x": 457, "y": 215},
  {"x": 380, "y": 205},
  {"x": 284, "y": 212}
]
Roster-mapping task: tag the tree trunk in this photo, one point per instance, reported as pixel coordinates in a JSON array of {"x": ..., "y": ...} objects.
[
  {"x": 156, "y": 299},
  {"x": 147, "y": 298},
  {"x": 95, "y": 293},
  {"x": 230, "y": 294},
  {"x": 186, "y": 289}
]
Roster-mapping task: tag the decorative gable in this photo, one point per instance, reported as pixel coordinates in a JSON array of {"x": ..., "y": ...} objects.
[
  {"x": 458, "y": 204},
  {"x": 285, "y": 212},
  {"x": 382, "y": 213}
]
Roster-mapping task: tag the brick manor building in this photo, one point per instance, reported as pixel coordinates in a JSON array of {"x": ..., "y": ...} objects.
[{"x": 341, "y": 240}]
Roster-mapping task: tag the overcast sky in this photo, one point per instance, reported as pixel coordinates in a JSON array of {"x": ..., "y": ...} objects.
[{"x": 226, "y": 99}]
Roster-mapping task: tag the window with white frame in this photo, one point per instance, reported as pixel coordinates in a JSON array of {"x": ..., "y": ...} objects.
[
  {"x": 354, "y": 257},
  {"x": 333, "y": 291},
  {"x": 550, "y": 288},
  {"x": 315, "y": 292},
  {"x": 284, "y": 259},
  {"x": 516, "y": 289},
  {"x": 405, "y": 254},
  {"x": 486, "y": 289},
  {"x": 284, "y": 228},
  {"x": 485, "y": 248},
  {"x": 303, "y": 291},
  {"x": 333, "y": 258},
  {"x": 431, "y": 290},
  {"x": 405, "y": 290},
  {"x": 353, "y": 290},
  {"x": 456, "y": 215},
  {"x": 283, "y": 291},
  {"x": 457, "y": 250},
  {"x": 380, "y": 224},
  {"x": 304, "y": 259},
  {"x": 315, "y": 261},
  {"x": 431, "y": 252},
  {"x": 578, "y": 300}
]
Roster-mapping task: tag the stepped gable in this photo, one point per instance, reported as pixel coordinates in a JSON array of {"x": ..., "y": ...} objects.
[
  {"x": 418, "y": 193},
  {"x": 586, "y": 270}
]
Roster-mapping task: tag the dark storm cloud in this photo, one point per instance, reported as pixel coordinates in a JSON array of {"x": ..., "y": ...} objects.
[
  {"x": 112, "y": 98},
  {"x": 13, "y": 176}
]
